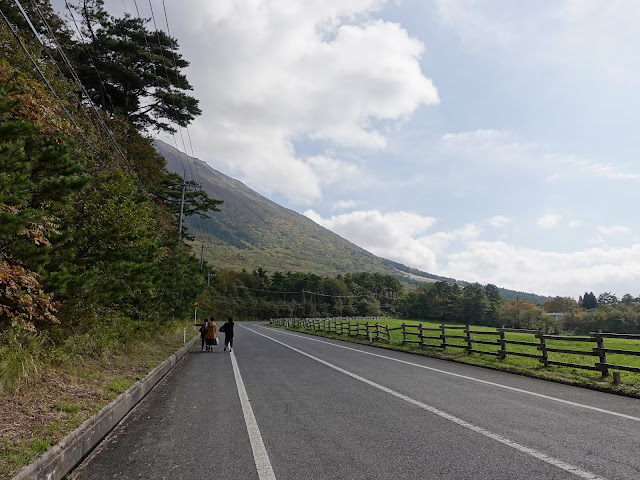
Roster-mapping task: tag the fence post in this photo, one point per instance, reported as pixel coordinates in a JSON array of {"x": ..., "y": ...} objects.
[
  {"x": 602, "y": 354},
  {"x": 388, "y": 333},
  {"x": 503, "y": 344},
  {"x": 404, "y": 333},
  {"x": 443, "y": 336},
  {"x": 469, "y": 342},
  {"x": 543, "y": 348}
]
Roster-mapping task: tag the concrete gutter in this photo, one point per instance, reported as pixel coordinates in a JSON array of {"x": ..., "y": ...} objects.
[{"x": 59, "y": 460}]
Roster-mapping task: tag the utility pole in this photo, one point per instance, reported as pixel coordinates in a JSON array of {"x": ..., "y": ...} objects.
[
  {"x": 201, "y": 256},
  {"x": 184, "y": 185},
  {"x": 304, "y": 305}
]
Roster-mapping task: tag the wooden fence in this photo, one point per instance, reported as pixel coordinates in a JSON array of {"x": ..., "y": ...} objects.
[
  {"x": 361, "y": 327},
  {"x": 465, "y": 337}
]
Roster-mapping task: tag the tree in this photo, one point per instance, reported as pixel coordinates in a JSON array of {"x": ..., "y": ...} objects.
[
  {"x": 559, "y": 305},
  {"x": 474, "y": 304},
  {"x": 37, "y": 179},
  {"x": 368, "y": 306},
  {"x": 607, "y": 298},
  {"x": 117, "y": 247},
  {"x": 627, "y": 299},
  {"x": 196, "y": 200},
  {"x": 43, "y": 18},
  {"x": 495, "y": 299},
  {"x": 589, "y": 301},
  {"x": 132, "y": 71}
]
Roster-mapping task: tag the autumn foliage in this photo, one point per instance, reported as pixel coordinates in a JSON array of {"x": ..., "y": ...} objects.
[{"x": 23, "y": 303}]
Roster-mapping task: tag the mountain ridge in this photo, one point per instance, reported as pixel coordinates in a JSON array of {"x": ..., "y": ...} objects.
[{"x": 252, "y": 231}]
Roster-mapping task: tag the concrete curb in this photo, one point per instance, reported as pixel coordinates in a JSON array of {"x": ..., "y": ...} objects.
[{"x": 63, "y": 457}]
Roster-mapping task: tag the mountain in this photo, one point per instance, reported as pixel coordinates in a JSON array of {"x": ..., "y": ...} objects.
[{"x": 251, "y": 231}]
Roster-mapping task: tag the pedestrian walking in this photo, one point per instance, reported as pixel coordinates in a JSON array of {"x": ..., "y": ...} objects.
[
  {"x": 227, "y": 328},
  {"x": 212, "y": 334},
  {"x": 203, "y": 333}
]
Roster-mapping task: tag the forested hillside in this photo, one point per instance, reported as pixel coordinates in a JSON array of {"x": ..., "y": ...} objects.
[
  {"x": 253, "y": 232},
  {"x": 88, "y": 217}
]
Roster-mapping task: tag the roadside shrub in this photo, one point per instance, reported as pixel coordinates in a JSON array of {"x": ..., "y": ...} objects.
[{"x": 23, "y": 354}]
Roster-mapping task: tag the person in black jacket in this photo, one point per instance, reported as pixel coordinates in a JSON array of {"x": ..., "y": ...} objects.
[
  {"x": 203, "y": 331},
  {"x": 227, "y": 328}
]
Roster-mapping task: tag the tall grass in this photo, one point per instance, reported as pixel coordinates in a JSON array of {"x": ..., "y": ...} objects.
[{"x": 22, "y": 355}]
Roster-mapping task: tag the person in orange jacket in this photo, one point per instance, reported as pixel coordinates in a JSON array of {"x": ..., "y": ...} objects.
[{"x": 212, "y": 334}]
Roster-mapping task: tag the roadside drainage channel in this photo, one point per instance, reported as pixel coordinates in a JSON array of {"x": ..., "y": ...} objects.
[{"x": 59, "y": 460}]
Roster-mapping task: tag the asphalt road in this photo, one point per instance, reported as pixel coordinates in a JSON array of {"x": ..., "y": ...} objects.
[{"x": 303, "y": 407}]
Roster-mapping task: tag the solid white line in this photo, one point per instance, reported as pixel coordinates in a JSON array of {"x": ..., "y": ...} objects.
[
  {"x": 493, "y": 436},
  {"x": 486, "y": 382},
  {"x": 260, "y": 456}
]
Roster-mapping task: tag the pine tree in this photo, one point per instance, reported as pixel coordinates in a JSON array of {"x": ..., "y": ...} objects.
[
  {"x": 37, "y": 178},
  {"x": 132, "y": 71}
]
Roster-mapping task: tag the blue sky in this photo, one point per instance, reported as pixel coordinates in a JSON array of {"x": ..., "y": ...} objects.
[{"x": 488, "y": 141}]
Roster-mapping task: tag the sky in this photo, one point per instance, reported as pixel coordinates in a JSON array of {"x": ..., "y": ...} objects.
[{"x": 483, "y": 140}]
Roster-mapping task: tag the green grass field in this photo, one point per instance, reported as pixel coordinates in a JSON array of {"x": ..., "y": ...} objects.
[{"x": 517, "y": 364}]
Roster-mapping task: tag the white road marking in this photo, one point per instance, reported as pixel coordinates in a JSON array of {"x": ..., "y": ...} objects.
[
  {"x": 260, "y": 456},
  {"x": 493, "y": 436},
  {"x": 486, "y": 382}
]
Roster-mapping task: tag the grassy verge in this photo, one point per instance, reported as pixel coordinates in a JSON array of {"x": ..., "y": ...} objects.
[
  {"x": 46, "y": 392},
  {"x": 521, "y": 365}
]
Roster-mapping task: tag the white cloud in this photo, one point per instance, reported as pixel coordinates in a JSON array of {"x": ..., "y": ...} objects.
[
  {"x": 575, "y": 223},
  {"x": 613, "y": 230},
  {"x": 345, "y": 204},
  {"x": 495, "y": 146},
  {"x": 394, "y": 235},
  {"x": 596, "y": 269},
  {"x": 272, "y": 73},
  {"x": 499, "y": 221},
  {"x": 606, "y": 170},
  {"x": 441, "y": 241},
  {"x": 331, "y": 170},
  {"x": 461, "y": 254},
  {"x": 578, "y": 37},
  {"x": 549, "y": 220}
]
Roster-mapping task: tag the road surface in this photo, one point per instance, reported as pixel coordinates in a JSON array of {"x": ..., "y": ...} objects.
[{"x": 285, "y": 405}]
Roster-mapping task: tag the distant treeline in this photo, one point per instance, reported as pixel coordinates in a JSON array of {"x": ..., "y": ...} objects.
[
  {"x": 504, "y": 292},
  {"x": 259, "y": 294}
]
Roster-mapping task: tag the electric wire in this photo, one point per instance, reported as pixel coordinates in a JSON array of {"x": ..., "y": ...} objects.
[
  {"x": 202, "y": 226},
  {"x": 46, "y": 81},
  {"x": 59, "y": 49},
  {"x": 76, "y": 78}
]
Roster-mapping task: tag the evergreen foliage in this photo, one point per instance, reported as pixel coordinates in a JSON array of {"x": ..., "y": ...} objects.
[
  {"x": 87, "y": 231},
  {"x": 132, "y": 71}
]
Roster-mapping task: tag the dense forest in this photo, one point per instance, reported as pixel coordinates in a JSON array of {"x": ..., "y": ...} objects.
[{"x": 89, "y": 245}]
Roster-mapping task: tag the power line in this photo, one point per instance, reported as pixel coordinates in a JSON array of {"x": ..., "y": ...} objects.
[
  {"x": 91, "y": 61},
  {"x": 44, "y": 78},
  {"x": 201, "y": 224},
  {"x": 74, "y": 75}
]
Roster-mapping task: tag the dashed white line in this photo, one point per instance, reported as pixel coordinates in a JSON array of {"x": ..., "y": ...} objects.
[
  {"x": 260, "y": 456},
  {"x": 493, "y": 436},
  {"x": 486, "y": 382}
]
